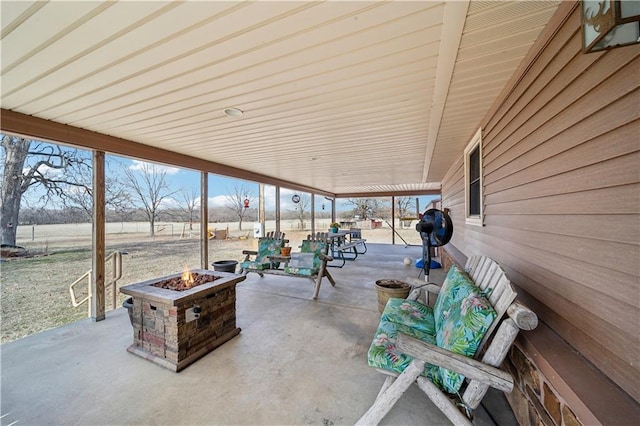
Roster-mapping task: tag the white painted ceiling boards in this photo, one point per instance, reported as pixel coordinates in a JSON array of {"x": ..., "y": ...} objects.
[{"x": 340, "y": 96}]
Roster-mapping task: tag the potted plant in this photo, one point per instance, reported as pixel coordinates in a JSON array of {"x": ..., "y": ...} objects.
[
  {"x": 391, "y": 288},
  {"x": 334, "y": 226},
  {"x": 285, "y": 251}
]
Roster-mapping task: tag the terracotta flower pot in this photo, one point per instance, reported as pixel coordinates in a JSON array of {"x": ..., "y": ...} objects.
[{"x": 285, "y": 251}]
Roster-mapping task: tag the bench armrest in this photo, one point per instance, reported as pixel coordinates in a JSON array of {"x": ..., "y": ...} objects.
[
  {"x": 466, "y": 366},
  {"x": 250, "y": 252},
  {"x": 418, "y": 285},
  {"x": 427, "y": 287},
  {"x": 325, "y": 257},
  {"x": 279, "y": 258}
]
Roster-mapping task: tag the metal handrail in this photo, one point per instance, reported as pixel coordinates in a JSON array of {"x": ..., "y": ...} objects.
[
  {"x": 74, "y": 300},
  {"x": 116, "y": 274}
]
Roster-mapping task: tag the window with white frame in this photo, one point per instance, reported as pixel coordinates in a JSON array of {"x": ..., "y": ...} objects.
[{"x": 473, "y": 180}]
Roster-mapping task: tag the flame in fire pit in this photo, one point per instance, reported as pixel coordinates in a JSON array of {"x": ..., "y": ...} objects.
[{"x": 187, "y": 278}]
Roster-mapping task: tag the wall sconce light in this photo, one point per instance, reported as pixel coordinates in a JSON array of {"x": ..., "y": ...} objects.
[{"x": 609, "y": 23}]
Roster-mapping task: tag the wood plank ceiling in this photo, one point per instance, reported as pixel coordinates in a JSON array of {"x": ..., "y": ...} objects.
[{"x": 345, "y": 97}]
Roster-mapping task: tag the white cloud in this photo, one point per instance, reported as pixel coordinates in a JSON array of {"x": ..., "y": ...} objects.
[
  {"x": 157, "y": 168},
  {"x": 177, "y": 203},
  {"x": 75, "y": 190},
  {"x": 46, "y": 171},
  {"x": 286, "y": 203},
  {"x": 217, "y": 201},
  {"x": 169, "y": 203}
]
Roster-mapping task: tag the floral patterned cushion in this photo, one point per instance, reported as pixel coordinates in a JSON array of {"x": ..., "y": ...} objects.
[
  {"x": 252, "y": 264},
  {"x": 410, "y": 313},
  {"x": 463, "y": 328},
  {"x": 308, "y": 247},
  {"x": 315, "y": 247},
  {"x": 266, "y": 247},
  {"x": 457, "y": 285},
  {"x": 302, "y": 264},
  {"x": 383, "y": 353},
  {"x": 458, "y": 322},
  {"x": 294, "y": 270}
]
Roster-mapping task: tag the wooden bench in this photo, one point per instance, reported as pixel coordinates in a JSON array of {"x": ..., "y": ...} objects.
[
  {"x": 343, "y": 252},
  {"x": 355, "y": 236},
  {"x": 406, "y": 351},
  {"x": 317, "y": 246},
  {"x": 349, "y": 250},
  {"x": 363, "y": 243}
]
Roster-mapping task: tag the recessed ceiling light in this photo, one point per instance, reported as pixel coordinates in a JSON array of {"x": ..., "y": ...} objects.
[{"x": 233, "y": 112}]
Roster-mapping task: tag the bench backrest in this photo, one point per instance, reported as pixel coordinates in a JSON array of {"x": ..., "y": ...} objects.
[
  {"x": 309, "y": 261},
  {"x": 490, "y": 278},
  {"x": 315, "y": 243},
  {"x": 275, "y": 235},
  {"x": 511, "y": 317},
  {"x": 356, "y": 233},
  {"x": 318, "y": 236},
  {"x": 269, "y": 246}
]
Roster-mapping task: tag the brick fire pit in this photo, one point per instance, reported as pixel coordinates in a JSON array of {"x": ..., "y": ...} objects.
[{"x": 175, "y": 328}]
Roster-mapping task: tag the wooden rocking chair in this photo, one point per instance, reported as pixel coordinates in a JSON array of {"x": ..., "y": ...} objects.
[{"x": 423, "y": 362}]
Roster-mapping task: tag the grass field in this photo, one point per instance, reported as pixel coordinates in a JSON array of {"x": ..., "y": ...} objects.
[{"x": 34, "y": 291}]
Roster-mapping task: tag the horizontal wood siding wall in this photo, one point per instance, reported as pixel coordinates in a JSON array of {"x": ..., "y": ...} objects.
[{"x": 561, "y": 158}]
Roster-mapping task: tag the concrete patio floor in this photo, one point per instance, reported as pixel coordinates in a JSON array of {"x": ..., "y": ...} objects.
[{"x": 296, "y": 361}]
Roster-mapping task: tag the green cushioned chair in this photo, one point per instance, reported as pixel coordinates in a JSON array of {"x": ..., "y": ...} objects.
[
  {"x": 310, "y": 262},
  {"x": 458, "y": 322},
  {"x": 267, "y": 246},
  {"x": 437, "y": 348}
]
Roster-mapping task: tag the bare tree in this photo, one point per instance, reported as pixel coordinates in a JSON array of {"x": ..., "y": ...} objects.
[
  {"x": 365, "y": 208},
  {"x": 300, "y": 209},
  {"x": 403, "y": 207},
  {"x": 235, "y": 201},
  {"x": 28, "y": 164},
  {"x": 191, "y": 203},
  {"x": 81, "y": 198},
  {"x": 149, "y": 187}
]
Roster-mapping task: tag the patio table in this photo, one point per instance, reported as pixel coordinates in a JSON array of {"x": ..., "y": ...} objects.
[{"x": 339, "y": 246}]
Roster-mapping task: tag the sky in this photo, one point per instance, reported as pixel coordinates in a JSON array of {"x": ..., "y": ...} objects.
[{"x": 219, "y": 187}]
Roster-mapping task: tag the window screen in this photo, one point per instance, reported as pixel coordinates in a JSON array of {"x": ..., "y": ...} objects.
[{"x": 474, "y": 182}]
